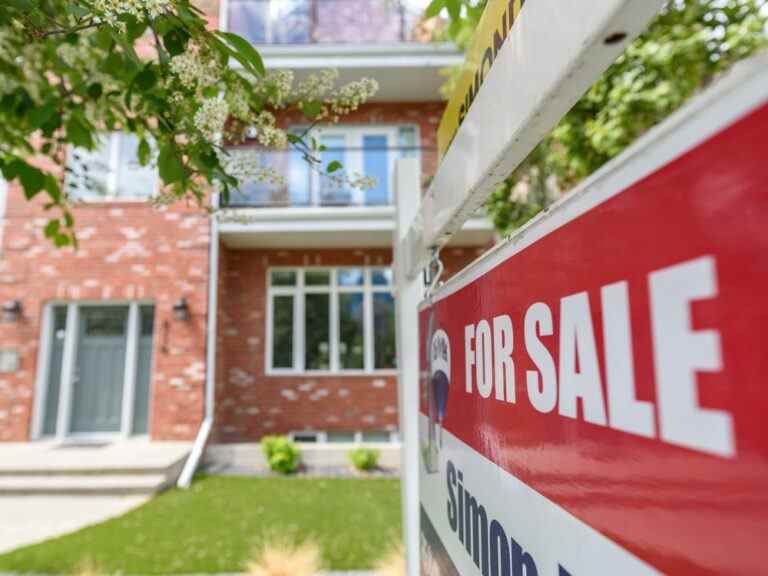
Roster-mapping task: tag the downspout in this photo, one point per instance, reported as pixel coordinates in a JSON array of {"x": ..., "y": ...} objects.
[{"x": 193, "y": 461}]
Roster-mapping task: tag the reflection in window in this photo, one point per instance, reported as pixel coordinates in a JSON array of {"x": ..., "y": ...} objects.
[
  {"x": 282, "y": 332},
  {"x": 376, "y": 166},
  {"x": 317, "y": 350},
  {"x": 384, "y": 350},
  {"x": 351, "y": 353}
]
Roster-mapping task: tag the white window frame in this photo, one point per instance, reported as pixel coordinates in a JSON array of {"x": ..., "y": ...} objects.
[
  {"x": 69, "y": 360},
  {"x": 333, "y": 289},
  {"x": 112, "y": 176},
  {"x": 321, "y": 437},
  {"x": 353, "y": 139}
]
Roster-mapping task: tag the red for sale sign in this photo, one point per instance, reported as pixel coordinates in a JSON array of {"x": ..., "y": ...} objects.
[{"x": 595, "y": 391}]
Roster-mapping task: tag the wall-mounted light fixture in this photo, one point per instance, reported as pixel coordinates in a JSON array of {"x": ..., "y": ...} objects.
[
  {"x": 11, "y": 311},
  {"x": 181, "y": 309}
]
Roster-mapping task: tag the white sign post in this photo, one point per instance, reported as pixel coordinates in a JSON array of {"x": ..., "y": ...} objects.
[{"x": 552, "y": 54}]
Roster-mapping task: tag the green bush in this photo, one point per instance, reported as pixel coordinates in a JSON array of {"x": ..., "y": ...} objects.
[
  {"x": 365, "y": 459},
  {"x": 282, "y": 455}
]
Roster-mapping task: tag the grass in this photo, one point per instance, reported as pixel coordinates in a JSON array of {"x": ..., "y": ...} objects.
[{"x": 216, "y": 525}]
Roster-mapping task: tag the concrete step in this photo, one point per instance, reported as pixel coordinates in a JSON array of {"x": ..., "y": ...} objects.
[
  {"x": 90, "y": 468},
  {"x": 86, "y": 484}
]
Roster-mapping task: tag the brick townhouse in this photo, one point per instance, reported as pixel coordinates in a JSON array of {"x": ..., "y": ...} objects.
[{"x": 275, "y": 315}]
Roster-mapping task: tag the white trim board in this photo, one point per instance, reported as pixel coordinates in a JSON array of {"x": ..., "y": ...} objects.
[{"x": 742, "y": 90}]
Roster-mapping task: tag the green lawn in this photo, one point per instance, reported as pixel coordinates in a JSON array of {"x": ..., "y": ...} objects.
[{"x": 215, "y": 525}]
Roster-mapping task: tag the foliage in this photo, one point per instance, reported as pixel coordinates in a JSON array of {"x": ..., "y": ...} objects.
[
  {"x": 364, "y": 459},
  {"x": 282, "y": 455},
  {"x": 214, "y": 527},
  {"x": 282, "y": 556},
  {"x": 687, "y": 45},
  {"x": 72, "y": 69}
]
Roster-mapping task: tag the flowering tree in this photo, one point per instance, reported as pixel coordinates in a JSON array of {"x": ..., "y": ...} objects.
[{"x": 71, "y": 69}]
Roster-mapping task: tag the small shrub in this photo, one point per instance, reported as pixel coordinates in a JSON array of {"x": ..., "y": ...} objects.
[
  {"x": 282, "y": 556},
  {"x": 365, "y": 459},
  {"x": 282, "y": 455}
]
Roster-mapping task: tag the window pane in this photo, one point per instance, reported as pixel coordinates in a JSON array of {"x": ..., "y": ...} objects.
[
  {"x": 283, "y": 278},
  {"x": 332, "y": 191},
  {"x": 381, "y": 276},
  {"x": 282, "y": 332},
  {"x": 305, "y": 437},
  {"x": 350, "y": 277},
  {"x": 289, "y": 21},
  {"x": 54, "y": 370},
  {"x": 133, "y": 179},
  {"x": 376, "y": 166},
  {"x": 351, "y": 349},
  {"x": 317, "y": 351},
  {"x": 143, "y": 370},
  {"x": 339, "y": 437},
  {"x": 249, "y": 19},
  {"x": 88, "y": 170},
  {"x": 376, "y": 436},
  {"x": 384, "y": 351},
  {"x": 317, "y": 277}
]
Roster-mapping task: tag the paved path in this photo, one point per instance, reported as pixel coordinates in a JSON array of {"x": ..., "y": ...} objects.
[{"x": 29, "y": 519}]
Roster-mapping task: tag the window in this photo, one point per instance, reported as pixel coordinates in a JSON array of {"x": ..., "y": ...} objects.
[
  {"x": 112, "y": 170},
  {"x": 331, "y": 320},
  {"x": 344, "y": 437}
]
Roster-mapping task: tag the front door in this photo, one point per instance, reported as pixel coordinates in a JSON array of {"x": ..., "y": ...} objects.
[{"x": 99, "y": 370}]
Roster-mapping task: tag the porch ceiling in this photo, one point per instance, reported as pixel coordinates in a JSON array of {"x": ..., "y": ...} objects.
[{"x": 405, "y": 72}]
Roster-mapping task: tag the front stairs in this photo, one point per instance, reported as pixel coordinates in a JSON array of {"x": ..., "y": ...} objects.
[{"x": 120, "y": 468}]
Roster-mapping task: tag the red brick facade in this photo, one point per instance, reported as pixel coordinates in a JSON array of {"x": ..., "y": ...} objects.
[
  {"x": 251, "y": 403},
  {"x": 128, "y": 251}
]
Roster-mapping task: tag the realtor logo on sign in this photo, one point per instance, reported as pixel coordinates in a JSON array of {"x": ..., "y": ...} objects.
[{"x": 436, "y": 392}]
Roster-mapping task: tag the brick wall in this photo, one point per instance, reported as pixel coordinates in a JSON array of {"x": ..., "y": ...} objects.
[
  {"x": 127, "y": 251},
  {"x": 251, "y": 403}
]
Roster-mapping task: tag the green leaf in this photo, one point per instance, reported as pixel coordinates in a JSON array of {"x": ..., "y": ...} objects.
[
  {"x": 145, "y": 79},
  {"x": 175, "y": 41},
  {"x": 40, "y": 115},
  {"x": 32, "y": 179},
  {"x": 333, "y": 166},
  {"x": 244, "y": 52},
  {"x": 311, "y": 109},
  {"x": 434, "y": 8},
  {"x": 144, "y": 152},
  {"x": 52, "y": 228},
  {"x": 294, "y": 139},
  {"x": 169, "y": 164},
  {"x": 454, "y": 9},
  {"x": 78, "y": 132},
  {"x": 95, "y": 90}
]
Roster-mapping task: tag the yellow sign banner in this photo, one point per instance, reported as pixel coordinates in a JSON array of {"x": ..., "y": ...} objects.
[{"x": 497, "y": 20}]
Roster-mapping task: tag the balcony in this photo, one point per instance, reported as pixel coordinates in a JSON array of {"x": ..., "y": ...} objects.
[
  {"x": 310, "y": 209},
  {"x": 301, "y": 22},
  {"x": 303, "y": 186}
]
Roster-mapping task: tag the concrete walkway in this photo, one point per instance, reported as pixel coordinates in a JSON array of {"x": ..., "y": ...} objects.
[{"x": 30, "y": 519}]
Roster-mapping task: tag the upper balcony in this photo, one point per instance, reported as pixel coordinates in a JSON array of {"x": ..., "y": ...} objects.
[
  {"x": 300, "y": 22},
  {"x": 383, "y": 39},
  {"x": 307, "y": 208}
]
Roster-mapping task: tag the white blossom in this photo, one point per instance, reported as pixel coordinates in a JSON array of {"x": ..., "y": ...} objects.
[
  {"x": 191, "y": 69},
  {"x": 141, "y": 9},
  {"x": 211, "y": 117}
]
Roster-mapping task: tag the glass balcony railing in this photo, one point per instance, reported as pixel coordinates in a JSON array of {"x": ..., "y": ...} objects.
[
  {"x": 302, "y": 185},
  {"x": 286, "y": 22}
]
